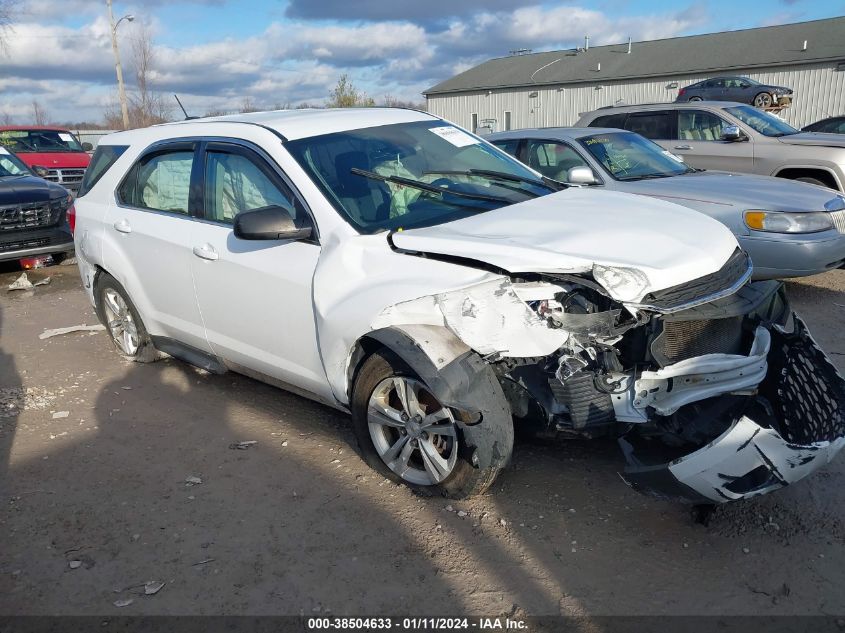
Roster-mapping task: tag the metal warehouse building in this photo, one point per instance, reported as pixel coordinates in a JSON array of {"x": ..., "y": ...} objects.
[{"x": 548, "y": 89}]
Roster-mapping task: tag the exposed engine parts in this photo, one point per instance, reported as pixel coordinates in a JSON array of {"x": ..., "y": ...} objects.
[{"x": 670, "y": 384}]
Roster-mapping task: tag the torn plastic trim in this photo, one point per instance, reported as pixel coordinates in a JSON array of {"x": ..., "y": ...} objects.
[
  {"x": 461, "y": 380},
  {"x": 668, "y": 389},
  {"x": 745, "y": 461}
]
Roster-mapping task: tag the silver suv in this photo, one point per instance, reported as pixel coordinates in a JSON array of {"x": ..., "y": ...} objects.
[{"x": 732, "y": 137}]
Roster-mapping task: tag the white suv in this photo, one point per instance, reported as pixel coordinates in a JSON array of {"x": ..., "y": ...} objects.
[{"x": 392, "y": 265}]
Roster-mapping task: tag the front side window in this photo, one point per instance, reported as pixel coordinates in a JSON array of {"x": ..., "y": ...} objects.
[
  {"x": 161, "y": 182},
  {"x": 29, "y": 141},
  {"x": 553, "y": 159},
  {"x": 412, "y": 174},
  {"x": 627, "y": 156},
  {"x": 762, "y": 122},
  {"x": 235, "y": 183},
  {"x": 654, "y": 125},
  {"x": 698, "y": 125}
]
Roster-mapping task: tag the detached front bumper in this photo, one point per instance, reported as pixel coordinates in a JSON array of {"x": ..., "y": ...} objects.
[{"x": 797, "y": 426}]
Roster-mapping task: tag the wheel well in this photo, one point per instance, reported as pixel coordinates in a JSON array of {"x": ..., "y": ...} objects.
[
  {"x": 819, "y": 174},
  {"x": 364, "y": 347}
]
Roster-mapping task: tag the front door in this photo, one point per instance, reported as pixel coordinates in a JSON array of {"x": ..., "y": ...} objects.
[{"x": 255, "y": 295}]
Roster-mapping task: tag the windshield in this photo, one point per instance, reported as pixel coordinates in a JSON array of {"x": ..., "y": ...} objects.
[
  {"x": 29, "y": 141},
  {"x": 629, "y": 156},
  {"x": 763, "y": 122},
  {"x": 12, "y": 166},
  {"x": 412, "y": 174}
]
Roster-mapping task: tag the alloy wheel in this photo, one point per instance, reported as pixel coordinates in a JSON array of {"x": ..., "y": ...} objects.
[
  {"x": 412, "y": 432},
  {"x": 120, "y": 323}
]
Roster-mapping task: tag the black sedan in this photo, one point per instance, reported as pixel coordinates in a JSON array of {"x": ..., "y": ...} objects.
[
  {"x": 833, "y": 125},
  {"x": 34, "y": 213},
  {"x": 740, "y": 89}
]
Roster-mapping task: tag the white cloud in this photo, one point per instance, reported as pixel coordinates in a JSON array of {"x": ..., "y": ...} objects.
[{"x": 293, "y": 60}]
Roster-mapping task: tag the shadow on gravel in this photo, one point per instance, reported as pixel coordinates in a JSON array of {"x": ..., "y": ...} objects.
[{"x": 12, "y": 398}]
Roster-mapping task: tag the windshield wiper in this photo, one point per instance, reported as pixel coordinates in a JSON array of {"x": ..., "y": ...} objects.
[
  {"x": 650, "y": 176},
  {"x": 424, "y": 186},
  {"x": 546, "y": 182}
]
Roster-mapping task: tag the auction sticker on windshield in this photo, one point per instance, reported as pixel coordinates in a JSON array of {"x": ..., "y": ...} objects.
[{"x": 456, "y": 137}]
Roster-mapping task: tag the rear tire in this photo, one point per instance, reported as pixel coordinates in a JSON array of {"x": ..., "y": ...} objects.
[
  {"x": 426, "y": 451},
  {"x": 123, "y": 323},
  {"x": 694, "y": 99}
]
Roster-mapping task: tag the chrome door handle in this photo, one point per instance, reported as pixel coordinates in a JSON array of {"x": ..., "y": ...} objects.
[
  {"x": 206, "y": 251},
  {"x": 122, "y": 226},
  {"x": 683, "y": 147}
]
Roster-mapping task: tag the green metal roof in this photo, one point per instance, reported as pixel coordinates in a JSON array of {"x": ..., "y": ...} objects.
[{"x": 696, "y": 54}]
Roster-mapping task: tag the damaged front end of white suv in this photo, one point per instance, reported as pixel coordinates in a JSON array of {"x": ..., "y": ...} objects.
[{"x": 714, "y": 388}]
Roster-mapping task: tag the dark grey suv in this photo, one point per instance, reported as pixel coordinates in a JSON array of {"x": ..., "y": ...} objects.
[{"x": 738, "y": 89}]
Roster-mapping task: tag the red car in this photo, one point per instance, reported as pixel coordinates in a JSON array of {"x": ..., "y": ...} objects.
[{"x": 53, "y": 153}]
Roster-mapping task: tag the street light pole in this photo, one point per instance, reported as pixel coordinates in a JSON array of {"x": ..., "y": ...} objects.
[{"x": 124, "y": 108}]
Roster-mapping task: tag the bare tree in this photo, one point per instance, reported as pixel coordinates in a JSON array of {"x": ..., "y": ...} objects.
[
  {"x": 39, "y": 114},
  {"x": 6, "y": 118},
  {"x": 6, "y": 21},
  {"x": 248, "y": 105},
  {"x": 148, "y": 105},
  {"x": 390, "y": 101},
  {"x": 346, "y": 95}
]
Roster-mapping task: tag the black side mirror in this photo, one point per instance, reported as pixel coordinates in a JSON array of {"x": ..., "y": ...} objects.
[
  {"x": 87, "y": 147},
  {"x": 41, "y": 172},
  {"x": 271, "y": 223}
]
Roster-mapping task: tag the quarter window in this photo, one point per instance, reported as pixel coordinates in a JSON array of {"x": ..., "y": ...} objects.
[
  {"x": 161, "y": 182},
  {"x": 236, "y": 183},
  {"x": 698, "y": 125}
]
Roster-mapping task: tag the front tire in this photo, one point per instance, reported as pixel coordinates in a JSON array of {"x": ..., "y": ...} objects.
[
  {"x": 123, "y": 323},
  {"x": 405, "y": 434}
]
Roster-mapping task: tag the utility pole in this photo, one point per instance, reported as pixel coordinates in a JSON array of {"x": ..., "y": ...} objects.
[{"x": 124, "y": 108}]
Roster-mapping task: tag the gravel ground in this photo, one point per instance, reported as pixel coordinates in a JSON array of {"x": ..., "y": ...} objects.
[{"x": 98, "y": 502}]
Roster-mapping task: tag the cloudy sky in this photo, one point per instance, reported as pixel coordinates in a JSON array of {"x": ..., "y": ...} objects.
[{"x": 216, "y": 53}]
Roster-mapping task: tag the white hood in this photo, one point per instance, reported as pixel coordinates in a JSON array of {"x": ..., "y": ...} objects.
[{"x": 572, "y": 230}]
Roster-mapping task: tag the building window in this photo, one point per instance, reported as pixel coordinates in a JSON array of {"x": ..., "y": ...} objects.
[{"x": 507, "y": 120}]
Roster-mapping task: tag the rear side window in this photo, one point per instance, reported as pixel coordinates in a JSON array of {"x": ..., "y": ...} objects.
[
  {"x": 653, "y": 125},
  {"x": 161, "y": 182},
  {"x": 102, "y": 160},
  {"x": 511, "y": 146},
  {"x": 610, "y": 120}
]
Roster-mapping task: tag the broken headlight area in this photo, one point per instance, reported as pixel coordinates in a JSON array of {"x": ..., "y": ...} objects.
[{"x": 711, "y": 404}]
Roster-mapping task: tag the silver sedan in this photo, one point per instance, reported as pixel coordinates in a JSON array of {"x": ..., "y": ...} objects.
[{"x": 790, "y": 229}]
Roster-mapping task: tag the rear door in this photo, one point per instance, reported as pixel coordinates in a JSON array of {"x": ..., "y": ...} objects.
[
  {"x": 146, "y": 244},
  {"x": 255, "y": 296},
  {"x": 658, "y": 125},
  {"x": 700, "y": 143}
]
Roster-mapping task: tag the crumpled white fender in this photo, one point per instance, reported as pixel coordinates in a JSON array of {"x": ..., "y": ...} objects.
[{"x": 489, "y": 317}]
